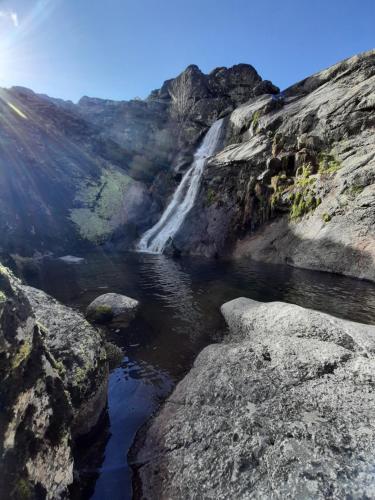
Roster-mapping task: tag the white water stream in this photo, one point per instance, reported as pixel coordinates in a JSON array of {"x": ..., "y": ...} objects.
[{"x": 155, "y": 239}]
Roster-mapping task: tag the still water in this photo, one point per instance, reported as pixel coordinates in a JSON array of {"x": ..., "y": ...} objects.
[{"x": 180, "y": 301}]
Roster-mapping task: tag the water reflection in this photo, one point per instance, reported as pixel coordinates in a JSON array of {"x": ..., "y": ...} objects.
[
  {"x": 173, "y": 288},
  {"x": 134, "y": 392},
  {"x": 179, "y": 315}
]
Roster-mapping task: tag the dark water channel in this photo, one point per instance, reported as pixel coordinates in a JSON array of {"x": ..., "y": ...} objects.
[{"x": 179, "y": 315}]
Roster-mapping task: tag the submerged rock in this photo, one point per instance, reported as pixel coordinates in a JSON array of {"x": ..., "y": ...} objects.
[
  {"x": 112, "y": 307},
  {"x": 284, "y": 409},
  {"x": 71, "y": 259},
  {"x": 53, "y": 371}
]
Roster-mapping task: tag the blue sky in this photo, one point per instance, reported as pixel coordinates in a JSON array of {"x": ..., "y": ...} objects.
[{"x": 120, "y": 49}]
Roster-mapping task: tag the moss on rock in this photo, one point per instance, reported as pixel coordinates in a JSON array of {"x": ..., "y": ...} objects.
[
  {"x": 102, "y": 314},
  {"x": 211, "y": 196},
  {"x": 100, "y": 205},
  {"x": 22, "y": 354},
  {"x": 255, "y": 120},
  {"x": 22, "y": 490},
  {"x": 328, "y": 164},
  {"x": 114, "y": 354},
  {"x": 354, "y": 191}
]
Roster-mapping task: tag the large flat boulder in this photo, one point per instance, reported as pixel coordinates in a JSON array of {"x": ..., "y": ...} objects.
[{"x": 285, "y": 408}]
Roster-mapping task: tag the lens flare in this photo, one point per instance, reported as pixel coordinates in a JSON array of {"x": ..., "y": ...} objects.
[{"x": 17, "y": 110}]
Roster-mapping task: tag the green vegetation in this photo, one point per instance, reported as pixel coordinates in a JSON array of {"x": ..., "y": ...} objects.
[
  {"x": 101, "y": 206},
  {"x": 303, "y": 203},
  {"x": 328, "y": 165},
  {"x": 303, "y": 176},
  {"x": 211, "y": 196},
  {"x": 22, "y": 354},
  {"x": 3, "y": 270},
  {"x": 114, "y": 354},
  {"x": 302, "y": 195},
  {"x": 255, "y": 120},
  {"x": 22, "y": 490},
  {"x": 3, "y": 297},
  {"x": 102, "y": 313},
  {"x": 80, "y": 374},
  {"x": 354, "y": 190},
  {"x": 326, "y": 217},
  {"x": 304, "y": 199},
  {"x": 301, "y": 190},
  {"x": 59, "y": 366}
]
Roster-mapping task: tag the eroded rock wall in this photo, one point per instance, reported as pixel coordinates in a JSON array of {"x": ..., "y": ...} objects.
[{"x": 296, "y": 184}]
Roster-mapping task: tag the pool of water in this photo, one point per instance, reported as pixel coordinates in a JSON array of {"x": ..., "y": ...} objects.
[{"x": 180, "y": 301}]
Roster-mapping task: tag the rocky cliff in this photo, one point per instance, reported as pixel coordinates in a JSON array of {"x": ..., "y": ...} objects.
[
  {"x": 102, "y": 171},
  {"x": 52, "y": 165},
  {"x": 296, "y": 182},
  {"x": 54, "y": 372},
  {"x": 283, "y": 409}
]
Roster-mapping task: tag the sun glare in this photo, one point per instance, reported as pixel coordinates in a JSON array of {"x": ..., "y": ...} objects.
[{"x": 17, "y": 110}]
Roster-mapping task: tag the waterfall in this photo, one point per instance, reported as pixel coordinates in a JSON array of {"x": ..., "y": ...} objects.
[{"x": 155, "y": 239}]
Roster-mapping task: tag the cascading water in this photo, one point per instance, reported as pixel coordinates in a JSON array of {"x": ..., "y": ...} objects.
[{"x": 155, "y": 239}]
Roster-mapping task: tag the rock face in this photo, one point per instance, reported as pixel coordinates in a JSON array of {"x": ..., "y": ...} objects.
[
  {"x": 53, "y": 377},
  {"x": 112, "y": 307},
  {"x": 61, "y": 184},
  {"x": 82, "y": 360},
  {"x": 296, "y": 182},
  {"x": 283, "y": 409},
  {"x": 101, "y": 171},
  {"x": 164, "y": 128}
]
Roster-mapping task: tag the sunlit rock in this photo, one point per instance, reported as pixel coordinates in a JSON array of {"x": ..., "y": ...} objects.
[
  {"x": 284, "y": 408},
  {"x": 112, "y": 308}
]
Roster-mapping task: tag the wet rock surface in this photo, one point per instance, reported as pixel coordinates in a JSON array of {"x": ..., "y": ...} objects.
[
  {"x": 295, "y": 183},
  {"x": 54, "y": 374},
  {"x": 283, "y": 409}
]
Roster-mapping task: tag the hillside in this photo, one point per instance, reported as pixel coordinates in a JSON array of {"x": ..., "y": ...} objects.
[{"x": 101, "y": 171}]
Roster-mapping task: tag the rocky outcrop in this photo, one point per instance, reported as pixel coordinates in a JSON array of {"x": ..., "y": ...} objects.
[
  {"x": 112, "y": 307},
  {"x": 54, "y": 373},
  {"x": 296, "y": 184},
  {"x": 101, "y": 171},
  {"x": 162, "y": 132},
  {"x": 80, "y": 352},
  {"x": 62, "y": 185},
  {"x": 164, "y": 129},
  {"x": 283, "y": 409}
]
